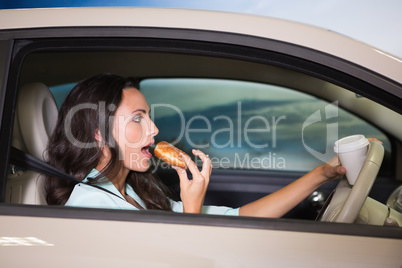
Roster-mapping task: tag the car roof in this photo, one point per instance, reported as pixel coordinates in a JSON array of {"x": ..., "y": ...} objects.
[{"x": 285, "y": 31}]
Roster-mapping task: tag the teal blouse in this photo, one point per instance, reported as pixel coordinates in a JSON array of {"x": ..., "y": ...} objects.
[{"x": 85, "y": 195}]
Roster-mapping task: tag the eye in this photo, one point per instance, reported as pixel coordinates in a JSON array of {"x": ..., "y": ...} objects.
[{"x": 137, "y": 118}]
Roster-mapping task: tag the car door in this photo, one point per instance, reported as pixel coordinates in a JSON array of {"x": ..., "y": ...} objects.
[{"x": 232, "y": 62}]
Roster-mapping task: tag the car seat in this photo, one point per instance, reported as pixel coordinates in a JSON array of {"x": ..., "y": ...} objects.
[{"x": 35, "y": 118}]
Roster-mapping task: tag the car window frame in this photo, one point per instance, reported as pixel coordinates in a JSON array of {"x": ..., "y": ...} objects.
[
  {"x": 154, "y": 216},
  {"x": 276, "y": 52}
]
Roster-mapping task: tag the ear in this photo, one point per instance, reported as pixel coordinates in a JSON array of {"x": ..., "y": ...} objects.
[{"x": 98, "y": 137}]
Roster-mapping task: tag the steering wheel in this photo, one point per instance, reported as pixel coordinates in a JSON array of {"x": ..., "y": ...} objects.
[{"x": 346, "y": 201}]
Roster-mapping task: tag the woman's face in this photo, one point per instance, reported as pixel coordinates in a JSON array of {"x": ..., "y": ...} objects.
[{"x": 134, "y": 130}]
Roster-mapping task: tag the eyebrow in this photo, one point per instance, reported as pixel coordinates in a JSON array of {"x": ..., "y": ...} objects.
[{"x": 142, "y": 111}]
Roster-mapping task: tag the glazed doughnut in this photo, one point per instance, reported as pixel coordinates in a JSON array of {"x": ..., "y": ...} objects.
[{"x": 170, "y": 154}]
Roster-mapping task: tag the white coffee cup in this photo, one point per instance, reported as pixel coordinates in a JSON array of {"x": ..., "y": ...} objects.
[{"x": 352, "y": 151}]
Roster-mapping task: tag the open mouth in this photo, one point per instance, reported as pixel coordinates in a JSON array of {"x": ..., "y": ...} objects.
[{"x": 145, "y": 150}]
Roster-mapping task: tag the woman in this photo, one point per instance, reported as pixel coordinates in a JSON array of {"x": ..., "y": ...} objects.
[{"x": 102, "y": 137}]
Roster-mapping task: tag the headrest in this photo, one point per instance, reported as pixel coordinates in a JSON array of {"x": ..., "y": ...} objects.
[{"x": 35, "y": 119}]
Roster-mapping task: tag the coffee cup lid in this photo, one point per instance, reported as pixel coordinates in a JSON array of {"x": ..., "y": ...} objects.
[{"x": 350, "y": 143}]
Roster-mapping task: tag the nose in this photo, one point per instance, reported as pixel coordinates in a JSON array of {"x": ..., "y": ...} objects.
[{"x": 153, "y": 130}]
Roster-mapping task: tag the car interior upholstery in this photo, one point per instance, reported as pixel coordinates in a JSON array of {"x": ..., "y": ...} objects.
[{"x": 35, "y": 118}]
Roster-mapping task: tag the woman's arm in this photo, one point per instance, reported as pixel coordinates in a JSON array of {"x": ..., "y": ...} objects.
[{"x": 280, "y": 202}]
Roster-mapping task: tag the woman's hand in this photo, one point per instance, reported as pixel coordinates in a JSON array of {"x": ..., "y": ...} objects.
[
  {"x": 374, "y": 139},
  {"x": 192, "y": 192},
  {"x": 333, "y": 169},
  {"x": 330, "y": 170}
]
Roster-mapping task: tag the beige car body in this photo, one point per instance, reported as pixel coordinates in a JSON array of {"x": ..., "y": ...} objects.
[{"x": 40, "y": 236}]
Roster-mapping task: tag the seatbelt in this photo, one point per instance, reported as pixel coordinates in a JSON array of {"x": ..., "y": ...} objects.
[{"x": 22, "y": 159}]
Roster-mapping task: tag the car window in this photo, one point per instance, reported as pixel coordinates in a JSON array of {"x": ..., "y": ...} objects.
[
  {"x": 60, "y": 92},
  {"x": 247, "y": 125}
]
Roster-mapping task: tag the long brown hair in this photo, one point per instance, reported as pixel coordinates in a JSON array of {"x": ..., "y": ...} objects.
[{"x": 73, "y": 148}]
